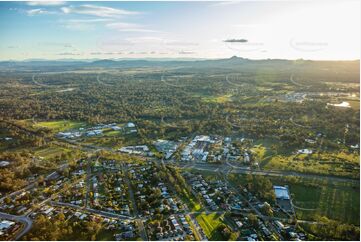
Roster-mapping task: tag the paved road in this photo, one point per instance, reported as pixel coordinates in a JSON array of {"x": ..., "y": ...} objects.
[
  {"x": 246, "y": 170},
  {"x": 91, "y": 210},
  {"x": 299, "y": 125},
  {"x": 102, "y": 83},
  {"x": 138, "y": 221},
  {"x": 88, "y": 183},
  {"x": 28, "y": 187},
  {"x": 27, "y": 222},
  {"x": 297, "y": 83},
  {"x": 259, "y": 214},
  {"x": 37, "y": 83}
]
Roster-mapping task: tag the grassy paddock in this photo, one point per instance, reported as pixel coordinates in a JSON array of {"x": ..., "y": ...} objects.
[
  {"x": 218, "y": 99},
  {"x": 335, "y": 200},
  {"x": 59, "y": 125},
  {"x": 338, "y": 164},
  {"x": 338, "y": 203},
  {"x": 209, "y": 224},
  {"x": 51, "y": 152}
]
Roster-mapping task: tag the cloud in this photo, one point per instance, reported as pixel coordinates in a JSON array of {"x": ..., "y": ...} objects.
[
  {"x": 56, "y": 44},
  {"x": 225, "y": 3},
  {"x": 128, "y": 27},
  {"x": 38, "y": 11},
  {"x": 105, "y": 53},
  {"x": 236, "y": 41},
  {"x": 145, "y": 40},
  {"x": 45, "y": 3},
  {"x": 99, "y": 11},
  {"x": 180, "y": 43},
  {"x": 69, "y": 53},
  {"x": 82, "y": 24},
  {"x": 94, "y": 20},
  {"x": 183, "y": 52},
  {"x": 183, "y": 47}
]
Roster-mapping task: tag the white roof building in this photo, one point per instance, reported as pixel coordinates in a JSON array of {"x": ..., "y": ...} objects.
[
  {"x": 304, "y": 151},
  {"x": 281, "y": 192},
  {"x": 4, "y": 163},
  {"x": 130, "y": 125},
  {"x": 5, "y": 224}
]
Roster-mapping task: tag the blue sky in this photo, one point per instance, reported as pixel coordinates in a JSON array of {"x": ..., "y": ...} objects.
[{"x": 258, "y": 30}]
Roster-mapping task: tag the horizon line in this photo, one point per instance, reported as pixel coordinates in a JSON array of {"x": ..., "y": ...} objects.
[{"x": 167, "y": 59}]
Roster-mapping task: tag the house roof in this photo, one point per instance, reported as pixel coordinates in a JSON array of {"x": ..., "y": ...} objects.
[{"x": 281, "y": 192}]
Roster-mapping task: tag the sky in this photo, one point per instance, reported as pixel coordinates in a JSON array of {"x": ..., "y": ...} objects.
[{"x": 318, "y": 30}]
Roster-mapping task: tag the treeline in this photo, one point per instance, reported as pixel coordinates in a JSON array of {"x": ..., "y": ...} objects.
[
  {"x": 175, "y": 105},
  {"x": 58, "y": 228},
  {"x": 328, "y": 229}
]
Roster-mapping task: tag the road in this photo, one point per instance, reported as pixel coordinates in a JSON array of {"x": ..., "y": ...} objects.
[
  {"x": 222, "y": 168},
  {"x": 138, "y": 220},
  {"x": 91, "y": 210},
  {"x": 246, "y": 170},
  {"x": 297, "y": 83},
  {"x": 299, "y": 125},
  {"x": 258, "y": 213},
  {"x": 28, "y": 187},
  {"x": 102, "y": 83},
  {"x": 88, "y": 183},
  {"x": 27, "y": 222},
  {"x": 37, "y": 83}
]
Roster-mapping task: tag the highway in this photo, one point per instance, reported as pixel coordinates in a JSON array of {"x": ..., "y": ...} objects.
[
  {"x": 276, "y": 173},
  {"x": 224, "y": 169},
  {"x": 211, "y": 167}
]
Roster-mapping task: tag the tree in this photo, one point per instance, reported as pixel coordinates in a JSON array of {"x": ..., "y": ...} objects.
[{"x": 253, "y": 220}]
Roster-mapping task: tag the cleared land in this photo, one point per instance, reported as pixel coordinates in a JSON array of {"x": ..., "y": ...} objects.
[
  {"x": 60, "y": 125},
  {"x": 209, "y": 224}
]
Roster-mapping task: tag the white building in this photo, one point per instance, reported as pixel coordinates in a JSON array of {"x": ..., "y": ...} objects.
[
  {"x": 130, "y": 125},
  {"x": 6, "y": 224},
  {"x": 281, "y": 192},
  {"x": 305, "y": 151},
  {"x": 4, "y": 163}
]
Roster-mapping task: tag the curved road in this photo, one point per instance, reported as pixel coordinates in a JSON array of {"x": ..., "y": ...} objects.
[{"x": 27, "y": 222}]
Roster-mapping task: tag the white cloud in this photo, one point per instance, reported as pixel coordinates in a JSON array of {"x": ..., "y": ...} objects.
[
  {"x": 82, "y": 24},
  {"x": 99, "y": 11},
  {"x": 45, "y": 3},
  {"x": 56, "y": 44},
  {"x": 38, "y": 11},
  {"x": 78, "y": 26},
  {"x": 95, "y": 20},
  {"x": 225, "y": 3},
  {"x": 69, "y": 53},
  {"x": 129, "y": 27}
]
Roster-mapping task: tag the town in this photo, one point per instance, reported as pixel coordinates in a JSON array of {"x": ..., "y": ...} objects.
[
  {"x": 171, "y": 190},
  {"x": 180, "y": 120}
]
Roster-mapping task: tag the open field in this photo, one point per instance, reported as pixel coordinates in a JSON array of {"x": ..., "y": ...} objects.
[
  {"x": 218, "y": 99},
  {"x": 51, "y": 152},
  {"x": 209, "y": 224},
  {"x": 61, "y": 125},
  {"x": 337, "y": 203},
  {"x": 340, "y": 164}
]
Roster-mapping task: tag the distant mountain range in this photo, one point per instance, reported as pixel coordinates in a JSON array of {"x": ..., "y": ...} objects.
[{"x": 212, "y": 65}]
